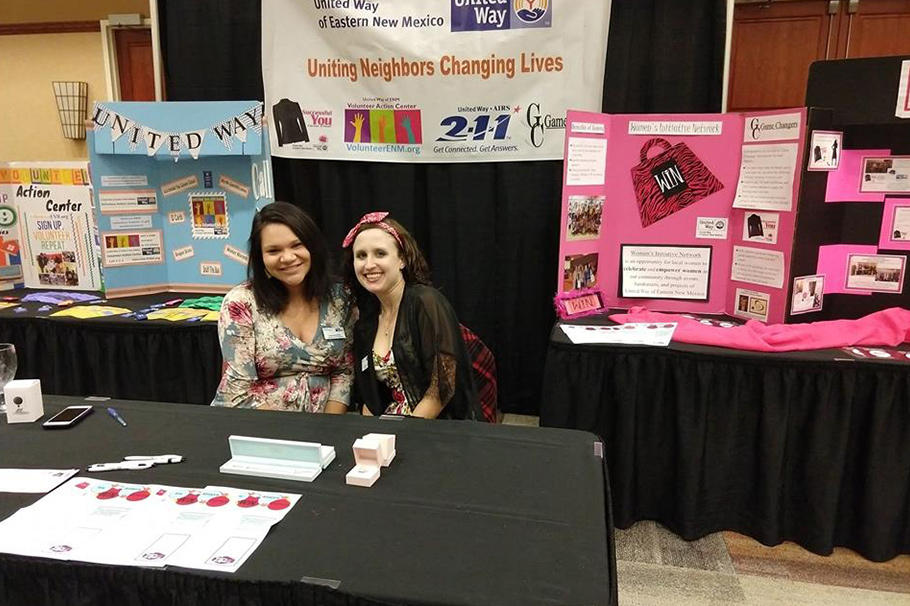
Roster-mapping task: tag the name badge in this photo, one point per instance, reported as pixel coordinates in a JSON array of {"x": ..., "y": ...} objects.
[
  {"x": 332, "y": 332},
  {"x": 365, "y": 363}
]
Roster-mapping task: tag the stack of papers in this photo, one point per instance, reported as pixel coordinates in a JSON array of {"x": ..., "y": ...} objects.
[
  {"x": 658, "y": 334},
  {"x": 89, "y": 520}
]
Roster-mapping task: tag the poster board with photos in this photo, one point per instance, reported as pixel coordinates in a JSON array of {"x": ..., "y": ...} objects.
[
  {"x": 854, "y": 222},
  {"x": 48, "y": 236},
  {"x": 685, "y": 212},
  {"x": 176, "y": 189}
]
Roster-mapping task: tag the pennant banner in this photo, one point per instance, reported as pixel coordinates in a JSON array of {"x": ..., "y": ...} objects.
[{"x": 226, "y": 131}]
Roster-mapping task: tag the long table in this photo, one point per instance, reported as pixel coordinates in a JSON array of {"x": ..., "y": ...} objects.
[
  {"x": 810, "y": 447},
  {"x": 469, "y": 514},
  {"x": 115, "y": 356}
]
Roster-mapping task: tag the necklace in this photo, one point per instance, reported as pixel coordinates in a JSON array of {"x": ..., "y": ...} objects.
[{"x": 388, "y": 323}]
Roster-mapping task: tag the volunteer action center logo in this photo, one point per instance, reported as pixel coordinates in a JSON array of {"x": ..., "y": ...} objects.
[{"x": 484, "y": 15}]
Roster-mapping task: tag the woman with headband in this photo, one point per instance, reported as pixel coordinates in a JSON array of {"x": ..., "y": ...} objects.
[
  {"x": 409, "y": 356},
  {"x": 286, "y": 334}
]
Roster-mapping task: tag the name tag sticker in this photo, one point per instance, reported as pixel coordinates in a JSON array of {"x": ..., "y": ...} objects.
[
  {"x": 365, "y": 363},
  {"x": 333, "y": 332}
]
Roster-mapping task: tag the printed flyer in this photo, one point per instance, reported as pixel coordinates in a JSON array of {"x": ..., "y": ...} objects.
[{"x": 47, "y": 225}]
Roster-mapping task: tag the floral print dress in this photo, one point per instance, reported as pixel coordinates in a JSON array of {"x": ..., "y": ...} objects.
[
  {"x": 267, "y": 366},
  {"x": 387, "y": 372}
]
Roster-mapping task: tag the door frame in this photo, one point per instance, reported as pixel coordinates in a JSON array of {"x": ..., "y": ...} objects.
[{"x": 109, "y": 52}]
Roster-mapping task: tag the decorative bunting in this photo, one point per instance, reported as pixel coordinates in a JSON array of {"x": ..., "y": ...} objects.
[
  {"x": 153, "y": 141},
  {"x": 119, "y": 125},
  {"x": 235, "y": 127},
  {"x": 193, "y": 141}
]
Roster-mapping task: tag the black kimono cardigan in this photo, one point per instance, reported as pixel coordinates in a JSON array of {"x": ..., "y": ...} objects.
[{"x": 427, "y": 346}]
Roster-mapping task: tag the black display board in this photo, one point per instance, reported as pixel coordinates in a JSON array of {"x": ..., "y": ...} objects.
[{"x": 857, "y": 97}]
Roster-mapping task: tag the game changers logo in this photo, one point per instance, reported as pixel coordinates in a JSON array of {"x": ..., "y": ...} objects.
[
  {"x": 538, "y": 123},
  {"x": 481, "y": 15}
]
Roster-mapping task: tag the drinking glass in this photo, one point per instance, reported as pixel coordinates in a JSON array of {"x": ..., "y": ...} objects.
[{"x": 8, "y": 364}]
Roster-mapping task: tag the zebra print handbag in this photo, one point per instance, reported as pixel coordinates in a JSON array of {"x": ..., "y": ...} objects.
[{"x": 670, "y": 181}]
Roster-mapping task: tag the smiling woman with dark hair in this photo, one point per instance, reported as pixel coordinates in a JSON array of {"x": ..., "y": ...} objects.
[{"x": 286, "y": 333}]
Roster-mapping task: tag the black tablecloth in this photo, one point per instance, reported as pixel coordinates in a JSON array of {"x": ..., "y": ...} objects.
[
  {"x": 810, "y": 447},
  {"x": 468, "y": 513},
  {"x": 115, "y": 356}
]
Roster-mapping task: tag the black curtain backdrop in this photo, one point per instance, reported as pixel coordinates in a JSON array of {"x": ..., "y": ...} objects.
[{"x": 490, "y": 230}]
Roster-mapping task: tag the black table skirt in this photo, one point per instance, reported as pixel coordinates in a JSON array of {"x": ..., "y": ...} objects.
[
  {"x": 468, "y": 514},
  {"x": 809, "y": 447},
  {"x": 114, "y": 356}
]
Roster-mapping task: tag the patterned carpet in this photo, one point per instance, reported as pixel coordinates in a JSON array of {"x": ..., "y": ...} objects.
[{"x": 657, "y": 568}]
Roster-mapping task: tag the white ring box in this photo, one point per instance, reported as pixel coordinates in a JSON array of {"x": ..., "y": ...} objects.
[
  {"x": 23, "y": 401},
  {"x": 368, "y": 459},
  {"x": 386, "y": 446}
]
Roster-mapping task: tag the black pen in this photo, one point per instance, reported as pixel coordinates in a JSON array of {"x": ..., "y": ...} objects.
[{"x": 116, "y": 416}]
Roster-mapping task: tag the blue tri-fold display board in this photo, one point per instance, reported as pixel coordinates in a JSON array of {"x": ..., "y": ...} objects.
[{"x": 176, "y": 186}]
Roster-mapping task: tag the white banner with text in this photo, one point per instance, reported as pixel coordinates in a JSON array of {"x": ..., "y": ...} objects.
[{"x": 430, "y": 80}]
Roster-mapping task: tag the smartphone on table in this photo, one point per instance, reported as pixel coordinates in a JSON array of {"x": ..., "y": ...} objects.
[{"x": 67, "y": 417}]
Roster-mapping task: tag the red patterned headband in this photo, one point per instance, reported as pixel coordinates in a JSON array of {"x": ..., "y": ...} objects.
[{"x": 374, "y": 218}]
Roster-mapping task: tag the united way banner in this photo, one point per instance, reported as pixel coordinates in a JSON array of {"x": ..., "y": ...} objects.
[{"x": 429, "y": 80}]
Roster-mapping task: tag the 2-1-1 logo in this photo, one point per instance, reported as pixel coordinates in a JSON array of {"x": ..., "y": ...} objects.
[{"x": 484, "y": 124}]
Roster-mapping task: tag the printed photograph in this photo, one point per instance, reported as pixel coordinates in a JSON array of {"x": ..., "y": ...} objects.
[
  {"x": 824, "y": 150},
  {"x": 808, "y": 292},
  {"x": 752, "y": 304},
  {"x": 585, "y": 217},
  {"x": 57, "y": 269},
  {"x": 880, "y": 273},
  {"x": 580, "y": 272},
  {"x": 891, "y": 174}
]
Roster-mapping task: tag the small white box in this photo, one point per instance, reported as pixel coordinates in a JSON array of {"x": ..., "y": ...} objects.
[
  {"x": 367, "y": 453},
  {"x": 386, "y": 446},
  {"x": 362, "y": 475},
  {"x": 23, "y": 401}
]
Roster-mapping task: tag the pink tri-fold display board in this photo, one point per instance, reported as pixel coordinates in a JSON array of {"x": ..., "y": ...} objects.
[{"x": 683, "y": 212}]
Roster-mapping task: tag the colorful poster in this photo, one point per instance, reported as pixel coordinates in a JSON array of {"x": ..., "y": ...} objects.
[
  {"x": 47, "y": 226},
  {"x": 430, "y": 80},
  {"x": 209, "y": 212}
]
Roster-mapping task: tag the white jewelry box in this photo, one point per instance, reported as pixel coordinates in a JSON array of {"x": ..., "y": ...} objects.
[
  {"x": 362, "y": 475},
  {"x": 386, "y": 446},
  {"x": 284, "y": 459}
]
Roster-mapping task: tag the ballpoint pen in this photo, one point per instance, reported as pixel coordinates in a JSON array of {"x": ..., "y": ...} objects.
[{"x": 116, "y": 416}]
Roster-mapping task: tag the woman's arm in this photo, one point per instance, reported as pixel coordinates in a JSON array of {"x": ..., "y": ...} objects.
[
  {"x": 238, "y": 348},
  {"x": 440, "y": 335},
  {"x": 341, "y": 378}
]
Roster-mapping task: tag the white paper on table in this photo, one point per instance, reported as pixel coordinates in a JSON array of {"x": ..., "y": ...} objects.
[
  {"x": 103, "y": 522},
  {"x": 657, "y": 334},
  {"x": 33, "y": 480},
  {"x": 236, "y": 532},
  {"x": 766, "y": 176}
]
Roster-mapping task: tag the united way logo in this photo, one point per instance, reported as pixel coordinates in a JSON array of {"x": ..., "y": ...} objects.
[
  {"x": 531, "y": 13},
  {"x": 486, "y": 15}
]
